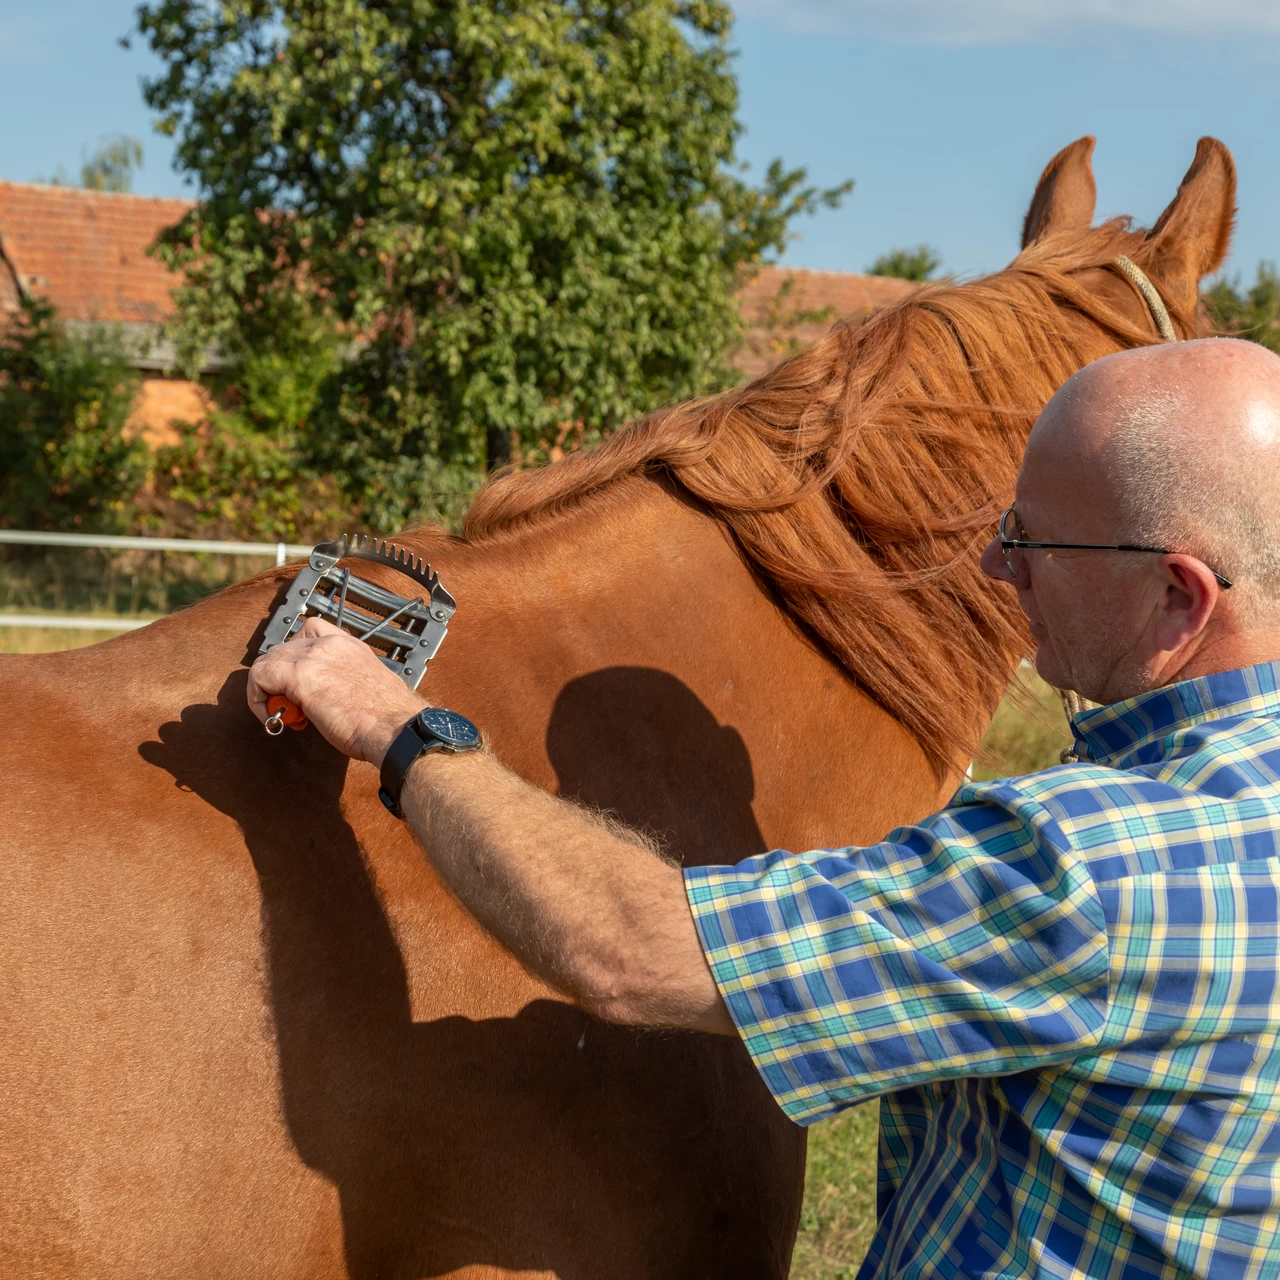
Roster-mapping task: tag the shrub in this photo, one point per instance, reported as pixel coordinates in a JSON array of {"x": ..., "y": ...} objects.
[
  {"x": 1253, "y": 313},
  {"x": 66, "y": 457},
  {"x": 918, "y": 264},
  {"x": 225, "y": 479}
]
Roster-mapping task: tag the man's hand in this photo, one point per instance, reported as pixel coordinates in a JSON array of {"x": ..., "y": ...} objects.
[{"x": 340, "y": 684}]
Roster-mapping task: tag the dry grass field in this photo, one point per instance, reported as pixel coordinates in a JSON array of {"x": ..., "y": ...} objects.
[
  {"x": 47, "y": 640},
  {"x": 839, "y": 1206}
]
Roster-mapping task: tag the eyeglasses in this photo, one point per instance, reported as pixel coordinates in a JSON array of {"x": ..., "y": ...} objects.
[{"x": 1014, "y": 546}]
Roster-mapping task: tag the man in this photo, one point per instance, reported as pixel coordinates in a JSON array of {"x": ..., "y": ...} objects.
[{"x": 1066, "y": 985}]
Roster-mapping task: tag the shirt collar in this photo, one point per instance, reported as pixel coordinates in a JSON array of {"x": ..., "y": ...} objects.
[{"x": 1137, "y": 730}]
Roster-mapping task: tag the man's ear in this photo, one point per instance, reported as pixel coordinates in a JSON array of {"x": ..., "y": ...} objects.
[
  {"x": 1190, "y": 596},
  {"x": 1191, "y": 237},
  {"x": 1065, "y": 195}
]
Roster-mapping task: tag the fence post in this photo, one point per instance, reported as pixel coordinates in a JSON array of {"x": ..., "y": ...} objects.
[{"x": 281, "y": 553}]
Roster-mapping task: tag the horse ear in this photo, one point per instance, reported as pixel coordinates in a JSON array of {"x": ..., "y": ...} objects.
[
  {"x": 1065, "y": 194},
  {"x": 1191, "y": 237}
]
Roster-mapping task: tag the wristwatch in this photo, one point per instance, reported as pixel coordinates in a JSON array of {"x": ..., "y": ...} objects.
[{"x": 432, "y": 729}]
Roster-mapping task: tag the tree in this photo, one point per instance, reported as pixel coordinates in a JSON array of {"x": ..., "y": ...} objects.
[
  {"x": 111, "y": 167},
  {"x": 1252, "y": 314},
  {"x": 918, "y": 264},
  {"x": 517, "y": 216}
]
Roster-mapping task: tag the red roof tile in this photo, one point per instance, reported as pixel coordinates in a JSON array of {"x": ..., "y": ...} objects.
[
  {"x": 846, "y": 293},
  {"x": 787, "y": 309},
  {"x": 86, "y": 251}
]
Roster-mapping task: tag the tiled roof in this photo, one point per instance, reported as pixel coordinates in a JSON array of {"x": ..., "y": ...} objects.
[
  {"x": 846, "y": 293},
  {"x": 86, "y": 251},
  {"x": 787, "y": 309}
]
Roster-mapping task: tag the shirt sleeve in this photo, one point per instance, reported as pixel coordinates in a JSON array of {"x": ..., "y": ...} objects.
[{"x": 972, "y": 944}]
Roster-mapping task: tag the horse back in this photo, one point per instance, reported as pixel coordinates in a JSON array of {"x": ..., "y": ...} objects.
[{"x": 247, "y": 1032}]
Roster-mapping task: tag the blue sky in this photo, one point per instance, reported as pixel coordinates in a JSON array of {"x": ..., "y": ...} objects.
[{"x": 943, "y": 111}]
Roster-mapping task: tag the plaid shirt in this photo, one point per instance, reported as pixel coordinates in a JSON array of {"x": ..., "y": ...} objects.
[{"x": 1068, "y": 988}]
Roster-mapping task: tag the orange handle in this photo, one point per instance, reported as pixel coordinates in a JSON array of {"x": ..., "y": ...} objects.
[{"x": 289, "y": 714}]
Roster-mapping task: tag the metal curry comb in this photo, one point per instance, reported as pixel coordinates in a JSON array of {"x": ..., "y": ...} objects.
[{"x": 405, "y": 632}]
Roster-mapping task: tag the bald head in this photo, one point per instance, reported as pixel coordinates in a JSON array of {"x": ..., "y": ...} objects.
[{"x": 1178, "y": 446}]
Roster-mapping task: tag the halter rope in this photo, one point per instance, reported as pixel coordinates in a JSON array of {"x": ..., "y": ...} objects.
[
  {"x": 1072, "y": 703},
  {"x": 1155, "y": 303}
]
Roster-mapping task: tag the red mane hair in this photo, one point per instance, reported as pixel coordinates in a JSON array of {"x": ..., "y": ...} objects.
[{"x": 861, "y": 477}]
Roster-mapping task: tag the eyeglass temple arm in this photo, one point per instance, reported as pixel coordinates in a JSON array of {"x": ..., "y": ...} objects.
[
  {"x": 1080, "y": 546},
  {"x": 1007, "y": 544}
]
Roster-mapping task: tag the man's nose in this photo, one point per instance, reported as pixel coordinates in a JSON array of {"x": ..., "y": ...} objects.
[{"x": 993, "y": 564}]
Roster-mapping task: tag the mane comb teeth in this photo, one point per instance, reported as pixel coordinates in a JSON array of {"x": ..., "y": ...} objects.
[{"x": 361, "y": 546}]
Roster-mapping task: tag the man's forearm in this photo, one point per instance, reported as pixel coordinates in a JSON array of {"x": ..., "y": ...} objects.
[{"x": 588, "y": 906}]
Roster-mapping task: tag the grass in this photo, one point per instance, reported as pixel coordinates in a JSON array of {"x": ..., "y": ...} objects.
[
  {"x": 838, "y": 1217},
  {"x": 1028, "y": 732},
  {"x": 839, "y": 1213},
  {"x": 47, "y": 639}
]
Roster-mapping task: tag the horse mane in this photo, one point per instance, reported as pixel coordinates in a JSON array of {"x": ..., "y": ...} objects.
[{"x": 861, "y": 477}]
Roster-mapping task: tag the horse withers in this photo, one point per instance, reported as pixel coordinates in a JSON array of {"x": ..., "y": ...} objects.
[{"x": 245, "y": 1031}]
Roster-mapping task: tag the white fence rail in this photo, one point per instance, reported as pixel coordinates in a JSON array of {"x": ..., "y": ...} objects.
[
  {"x": 282, "y": 551},
  {"x": 60, "y": 622}
]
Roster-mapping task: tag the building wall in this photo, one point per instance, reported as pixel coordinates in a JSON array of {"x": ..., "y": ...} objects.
[{"x": 162, "y": 403}]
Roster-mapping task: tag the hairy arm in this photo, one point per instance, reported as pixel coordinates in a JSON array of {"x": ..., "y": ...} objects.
[{"x": 581, "y": 901}]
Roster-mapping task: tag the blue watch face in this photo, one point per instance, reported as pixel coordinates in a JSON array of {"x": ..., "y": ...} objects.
[{"x": 451, "y": 728}]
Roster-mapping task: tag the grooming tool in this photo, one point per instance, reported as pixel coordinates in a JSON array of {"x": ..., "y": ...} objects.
[{"x": 405, "y": 632}]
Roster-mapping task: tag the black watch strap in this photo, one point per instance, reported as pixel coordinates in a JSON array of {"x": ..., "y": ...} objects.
[
  {"x": 401, "y": 756},
  {"x": 432, "y": 729}
]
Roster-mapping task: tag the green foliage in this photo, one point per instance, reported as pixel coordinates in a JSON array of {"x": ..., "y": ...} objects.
[
  {"x": 918, "y": 264},
  {"x": 522, "y": 215},
  {"x": 1252, "y": 313},
  {"x": 278, "y": 385},
  {"x": 226, "y": 479},
  {"x": 66, "y": 461},
  {"x": 397, "y": 456},
  {"x": 247, "y": 471},
  {"x": 111, "y": 167}
]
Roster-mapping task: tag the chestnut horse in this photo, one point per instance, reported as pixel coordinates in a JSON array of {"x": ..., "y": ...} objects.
[{"x": 247, "y": 1034}]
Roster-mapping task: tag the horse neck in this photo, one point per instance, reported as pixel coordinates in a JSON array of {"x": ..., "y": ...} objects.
[{"x": 623, "y": 654}]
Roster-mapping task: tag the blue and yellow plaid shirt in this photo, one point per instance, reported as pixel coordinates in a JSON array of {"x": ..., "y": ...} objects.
[{"x": 1067, "y": 986}]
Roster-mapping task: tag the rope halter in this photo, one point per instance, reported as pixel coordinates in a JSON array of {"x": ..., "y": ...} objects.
[{"x": 1155, "y": 303}]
